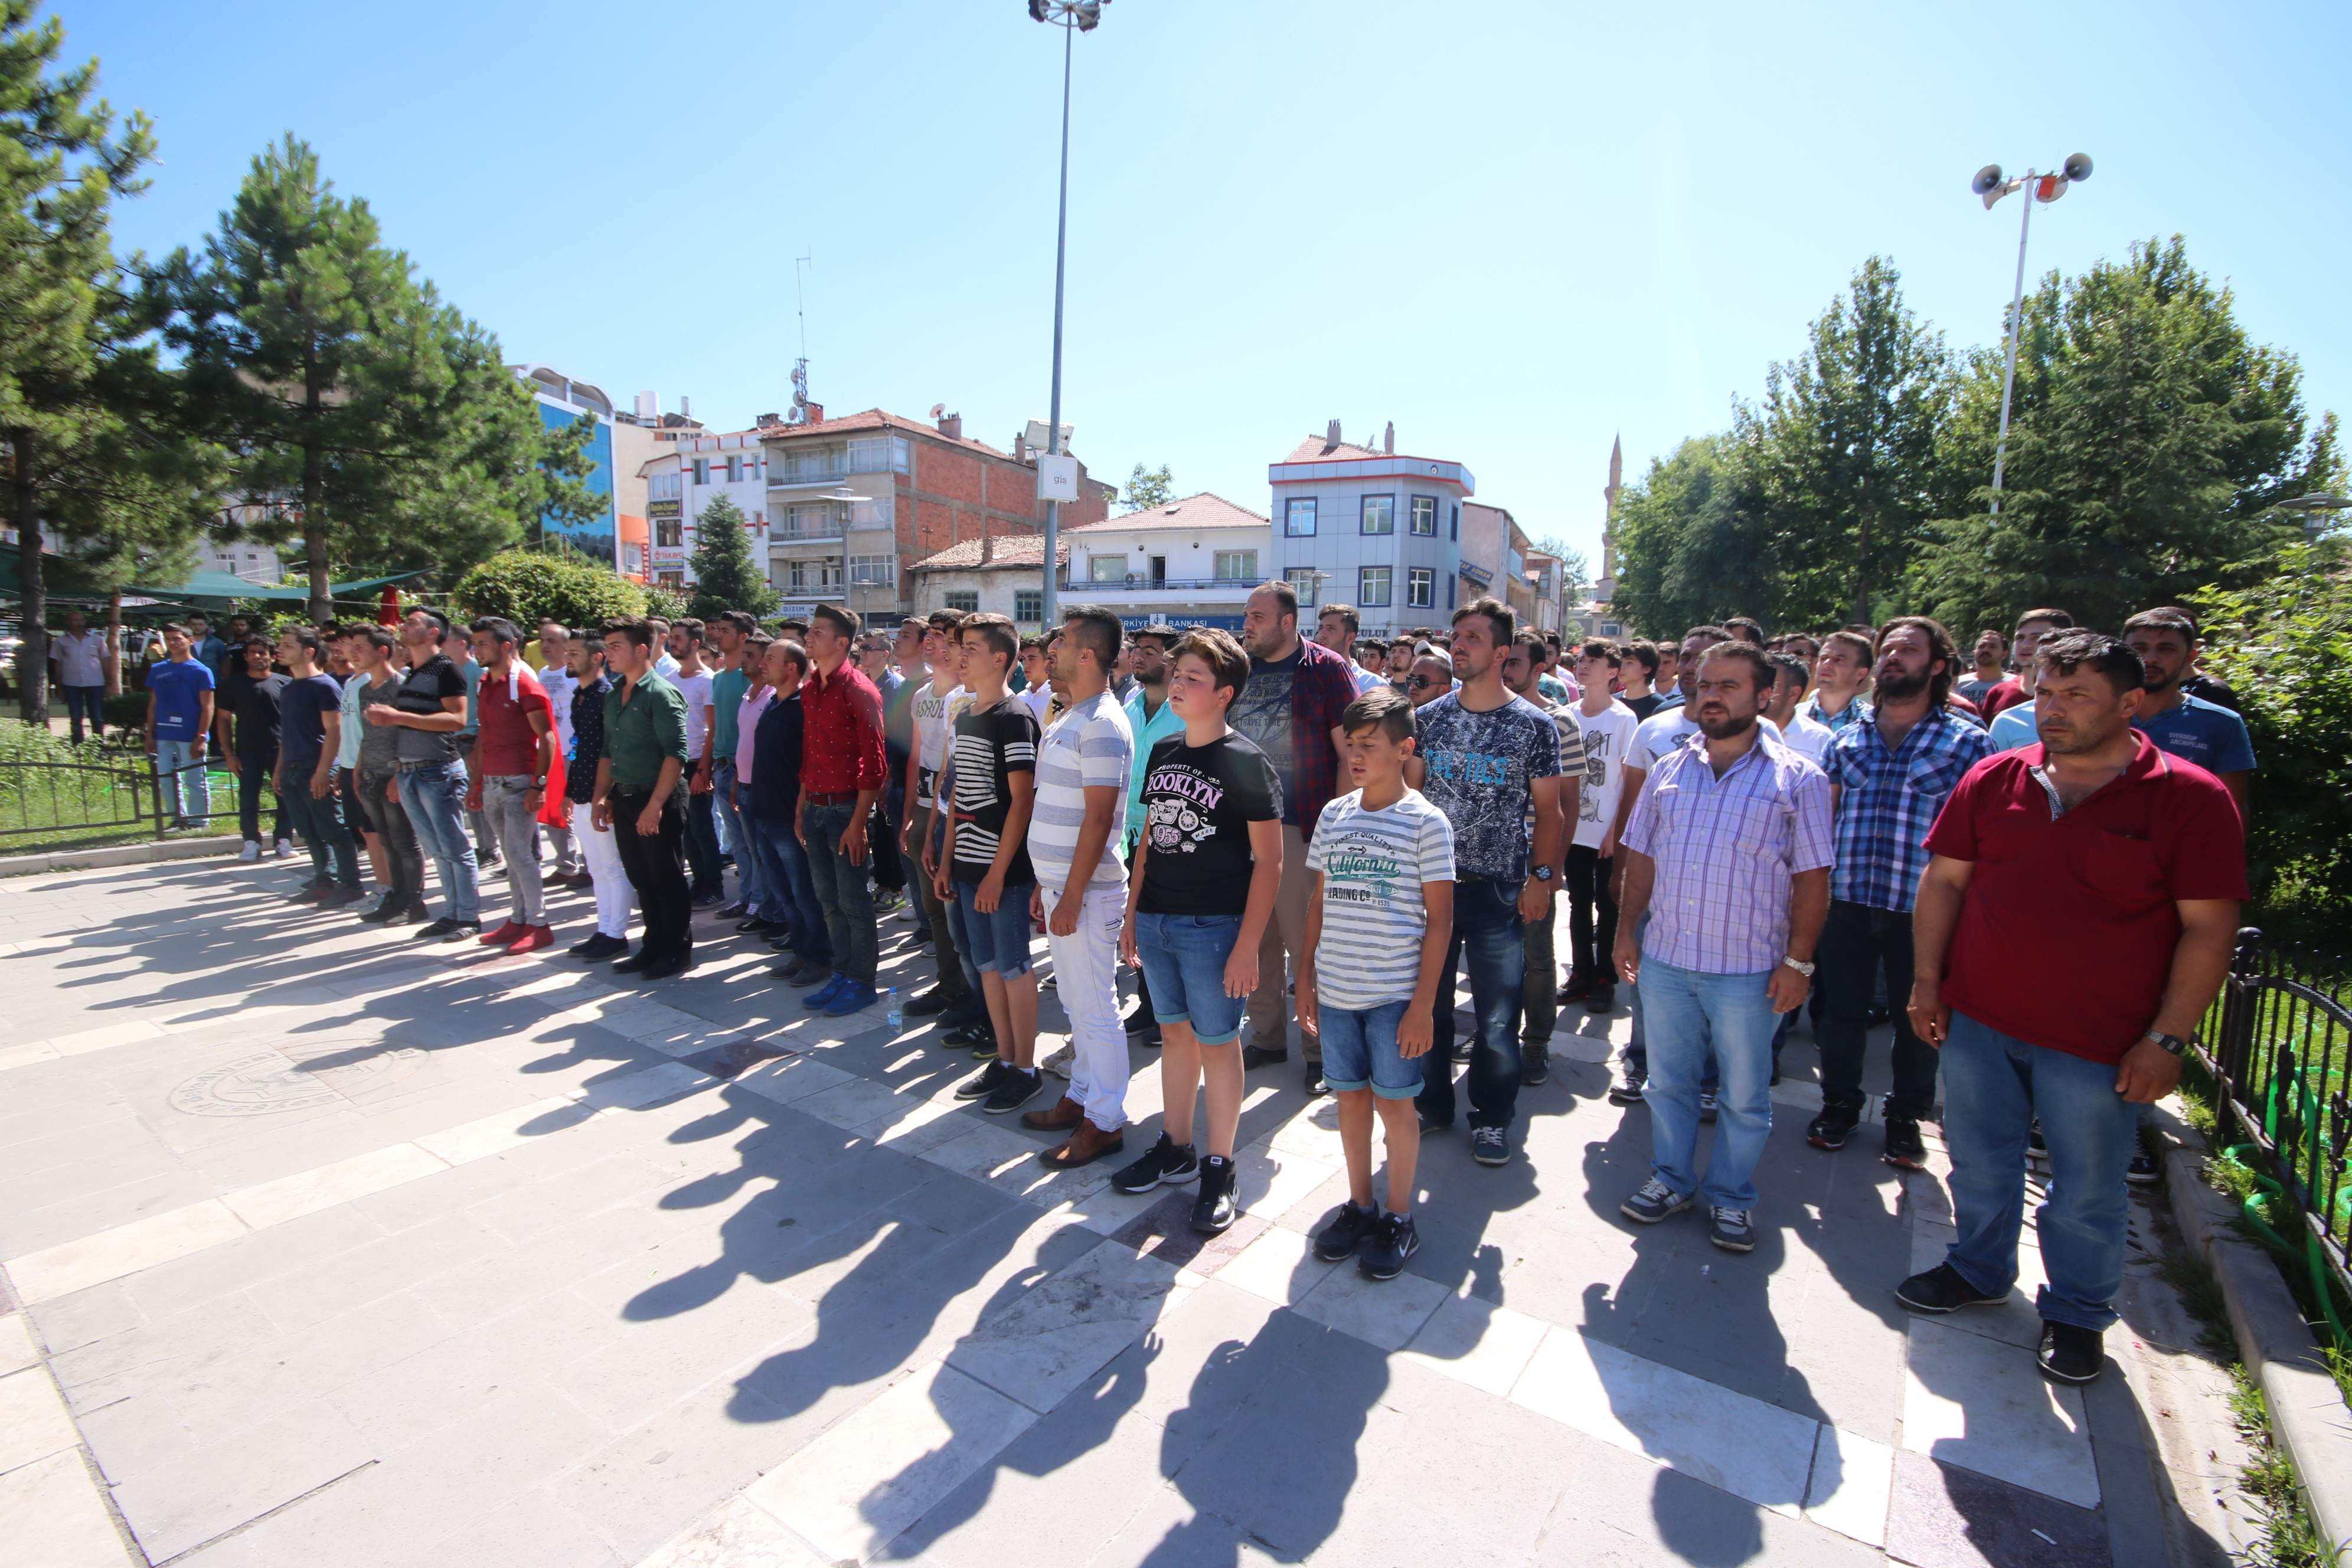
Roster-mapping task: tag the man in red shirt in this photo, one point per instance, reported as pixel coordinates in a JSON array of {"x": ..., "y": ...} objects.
[
  {"x": 2033, "y": 627},
  {"x": 842, "y": 770},
  {"x": 2075, "y": 921},
  {"x": 511, "y": 758}
]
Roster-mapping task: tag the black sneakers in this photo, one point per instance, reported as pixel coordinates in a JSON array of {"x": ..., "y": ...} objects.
[
  {"x": 2069, "y": 1353},
  {"x": 1347, "y": 1231},
  {"x": 1906, "y": 1149},
  {"x": 1833, "y": 1126},
  {"x": 1014, "y": 1089},
  {"x": 1941, "y": 1289},
  {"x": 983, "y": 1084},
  {"x": 1627, "y": 1090},
  {"x": 1213, "y": 1210},
  {"x": 1393, "y": 1242},
  {"x": 1535, "y": 1064},
  {"x": 1165, "y": 1163},
  {"x": 1254, "y": 1056},
  {"x": 2143, "y": 1169}
]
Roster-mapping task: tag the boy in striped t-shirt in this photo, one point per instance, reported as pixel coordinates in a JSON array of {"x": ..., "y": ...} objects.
[{"x": 1383, "y": 859}]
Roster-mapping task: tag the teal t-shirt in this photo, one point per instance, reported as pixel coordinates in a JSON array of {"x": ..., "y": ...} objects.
[{"x": 727, "y": 690}]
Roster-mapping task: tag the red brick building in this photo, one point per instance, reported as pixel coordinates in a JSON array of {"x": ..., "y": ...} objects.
[{"x": 854, "y": 501}]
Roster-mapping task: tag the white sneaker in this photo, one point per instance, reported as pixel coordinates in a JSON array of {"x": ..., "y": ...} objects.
[
  {"x": 1060, "y": 1061},
  {"x": 279, "y": 849},
  {"x": 252, "y": 851}
]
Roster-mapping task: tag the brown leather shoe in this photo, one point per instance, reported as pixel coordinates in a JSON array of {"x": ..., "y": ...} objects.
[
  {"x": 1084, "y": 1147},
  {"x": 1063, "y": 1115}
]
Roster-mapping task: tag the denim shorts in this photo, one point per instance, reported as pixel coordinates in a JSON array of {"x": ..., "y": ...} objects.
[
  {"x": 998, "y": 942},
  {"x": 1359, "y": 1051},
  {"x": 1184, "y": 963}
]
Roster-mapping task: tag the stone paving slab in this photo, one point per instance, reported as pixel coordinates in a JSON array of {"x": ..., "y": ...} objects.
[{"x": 337, "y": 1249}]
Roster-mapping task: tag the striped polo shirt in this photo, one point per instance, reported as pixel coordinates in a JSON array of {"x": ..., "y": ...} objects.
[
  {"x": 1373, "y": 864},
  {"x": 1089, "y": 745}
]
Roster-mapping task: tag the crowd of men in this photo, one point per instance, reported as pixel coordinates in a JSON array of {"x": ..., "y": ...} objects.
[{"x": 2027, "y": 862}]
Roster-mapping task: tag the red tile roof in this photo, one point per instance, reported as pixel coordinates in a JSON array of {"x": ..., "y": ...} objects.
[
  {"x": 879, "y": 419},
  {"x": 1007, "y": 553},
  {"x": 1315, "y": 449},
  {"x": 1201, "y": 510}
]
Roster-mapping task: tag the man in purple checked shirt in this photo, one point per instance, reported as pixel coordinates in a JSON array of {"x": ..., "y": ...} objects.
[{"x": 1728, "y": 854}]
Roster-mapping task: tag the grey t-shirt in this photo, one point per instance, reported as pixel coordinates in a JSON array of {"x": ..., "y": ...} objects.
[
  {"x": 379, "y": 743},
  {"x": 421, "y": 691},
  {"x": 1265, "y": 714}
]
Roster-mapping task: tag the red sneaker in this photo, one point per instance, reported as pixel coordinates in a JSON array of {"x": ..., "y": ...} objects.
[
  {"x": 504, "y": 934},
  {"x": 533, "y": 939}
]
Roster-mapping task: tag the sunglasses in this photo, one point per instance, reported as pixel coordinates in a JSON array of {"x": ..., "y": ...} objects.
[{"x": 1421, "y": 682}]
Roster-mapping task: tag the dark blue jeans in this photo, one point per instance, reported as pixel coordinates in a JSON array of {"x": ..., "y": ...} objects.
[
  {"x": 786, "y": 894},
  {"x": 1487, "y": 937},
  {"x": 320, "y": 823},
  {"x": 844, "y": 892},
  {"x": 1860, "y": 947}
]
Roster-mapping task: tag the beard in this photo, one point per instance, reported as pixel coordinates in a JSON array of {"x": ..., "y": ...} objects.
[
  {"x": 1723, "y": 726},
  {"x": 1902, "y": 685}
]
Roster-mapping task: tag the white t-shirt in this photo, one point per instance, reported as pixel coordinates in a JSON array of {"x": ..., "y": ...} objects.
[
  {"x": 695, "y": 690},
  {"x": 1090, "y": 745},
  {"x": 77, "y": 658},
  {"x": 559, "y": 684},
  {"x": 1373, "y": 865},
  {"x": 934, "y": 715},
  {"x": 1607, "y": 738},
  {"x": 1809, "y": 738},
  {"x": 1664, "y": 730},
  {"x": 1039, "y": 698}
]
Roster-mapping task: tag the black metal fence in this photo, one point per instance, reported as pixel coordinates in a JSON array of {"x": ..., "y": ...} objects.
[
  {"x": 110, "y": 794},
  {"x": 2279, "y": 1043}
]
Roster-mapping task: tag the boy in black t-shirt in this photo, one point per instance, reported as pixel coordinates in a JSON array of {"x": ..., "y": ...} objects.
[
  {"x": 984, "y": 876},
  {"x": 1199, "y": 898}
]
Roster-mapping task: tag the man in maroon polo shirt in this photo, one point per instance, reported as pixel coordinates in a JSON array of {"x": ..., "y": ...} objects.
[
  {"x": 842, "y": 770},
  {"x": 2074, "y": 923}
]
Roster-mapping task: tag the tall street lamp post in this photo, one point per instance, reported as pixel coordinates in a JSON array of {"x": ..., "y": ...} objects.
[
  {"x": 1073, "y": 17},
  {"x": 1990, "y": 185}
]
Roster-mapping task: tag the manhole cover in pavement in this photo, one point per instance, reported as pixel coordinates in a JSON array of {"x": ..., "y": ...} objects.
[{"x": 319, "y": 1073}]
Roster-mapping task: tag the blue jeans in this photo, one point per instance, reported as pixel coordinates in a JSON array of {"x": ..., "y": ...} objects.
[
  {"x": 1686, "y": 1008},
  {"x": 85, "y": 701},
  {"x": 787, "y": 896},
  {"x": 998, "y": 941},
  {"x": 844, "y": 892},
  {"x": 1488, "y": 940},
  {"x": 1359, "y": 1051},
  {"x": 1637, "y": 1048},
  {"x": 734, "y": 838},
  {"x": 1994, "y": 1087},
  {"x": 180, "y": 780},
  {"x": 320, "y": 821},
  {"x": 435, "y": 799},
  {"x": 1184, "y": 960}
]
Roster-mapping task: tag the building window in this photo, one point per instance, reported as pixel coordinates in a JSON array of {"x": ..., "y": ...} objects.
[
  {"x": 964, "y": 599},
  {"x": 701, "y": 471},
  {"x": 666, "y": 487},
  {"x": 873, "y": 571},
  {"x": 1420, "y": 587},
  {"x": 1455, "y": 526},
  {"x": 1424, "y": 516},
  {"x": 899, "y": 452},
  {"x": 1379, "y": 514},
  {"x": 796, "y": 574},
  {"x": 878, "y": 455},
  {"x": 1299, "y": 517},
  {"x": 1302, "y": 581},
  {"x": 1449, "y": 593},
  {"x": 1105, "y": 568},
  {"x": 734, "y": 470},
  {"x": 1028, "y": 605},
  {"x": 668, "y": 531},
  {"x": 1236, "y": 565},
  {"x": 1372, "y": 584},
  {"x": 670, "y": 579}
]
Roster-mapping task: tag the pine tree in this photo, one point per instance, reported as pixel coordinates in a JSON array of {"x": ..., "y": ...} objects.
[
  {"x": 726, "y": 577},
  {"x": 1147, "y": 488},
  {"x": 348, "y": 387}
]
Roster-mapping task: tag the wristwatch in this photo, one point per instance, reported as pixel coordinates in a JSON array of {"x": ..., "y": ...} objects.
[
  {"x": 1542, "y": 873},
  {"x": 2172, "y": 1043},
  {"x": 1801, "y": 966}
]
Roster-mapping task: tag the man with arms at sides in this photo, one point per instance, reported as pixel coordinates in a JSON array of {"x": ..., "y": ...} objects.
[
  {"x": 2031, "y": 628},
  {"x": 1991, "y": 667},
  {"x": 908, "y": 673},
  {"x": 930, "y": 731},
  {"x": 1290, "y": 711},
  {"x": 428, "y": 710},
  {"x": 640, "y": 781},
  {"x": 1151, "y": 718},
  {"x": 1486, "y": 758},
  {"x": 179, "y": 717},
  {"x": 1539, "y": 989},
  {"x": 1083, "y": 765},
  {"x": 1607, "y": 726},
  {"x": 2076, "y": 921},
  {"x": 2207, "y": 734},
  {"x": 600, "y": 852},
  {"x": 1727, "y": 854},
  {"x": 730, "y": 683},
  {"x": 841, "y": 778},
  {"x": 1889, "y": 776},
  {"x": 309, "y": 726},
  {"x": 1840, "y": 677},
  {"x": 706, "y": 880},
  {"x": 549, "y": 658},
  {"x": 253, "y": 756},
  {"x": 514, "y": 750},
  {"x": 377, "y": 680},
  {"x": 1335, "y": 628},
  {"x": 79, "y": 656}
]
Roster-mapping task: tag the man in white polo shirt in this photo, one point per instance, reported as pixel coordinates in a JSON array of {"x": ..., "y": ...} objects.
[{"x": 78, "y": 655}]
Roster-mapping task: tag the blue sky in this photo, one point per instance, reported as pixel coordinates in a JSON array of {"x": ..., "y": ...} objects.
[{"x": 1514, "y": 229}]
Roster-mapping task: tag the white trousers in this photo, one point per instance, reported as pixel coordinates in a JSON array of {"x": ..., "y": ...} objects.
[
  {"x": 603, "y": 858},
  {"x": 1086, "y": 975}
]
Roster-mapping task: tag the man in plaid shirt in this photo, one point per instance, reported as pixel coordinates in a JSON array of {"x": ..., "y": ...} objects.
[{"x": 1889, "y": 776}]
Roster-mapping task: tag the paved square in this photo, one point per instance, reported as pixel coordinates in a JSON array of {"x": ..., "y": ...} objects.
[{"x": 325, "y": 1246}]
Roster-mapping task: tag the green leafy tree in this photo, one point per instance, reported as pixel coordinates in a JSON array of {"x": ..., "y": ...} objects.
[
  {"x": 88, "y": 451},
  {"x": 525, "y": 584},
  {"x": 1844, "y": 454},
  {"x": 726, "y": 574},
  {"x": 1147, "y": 488},
  {"x": 347, "y": 387},
  {"x": 663, "y": 601},
  {"x": 1690, "y": 535},
  {"x": 2150, "y": 441}
]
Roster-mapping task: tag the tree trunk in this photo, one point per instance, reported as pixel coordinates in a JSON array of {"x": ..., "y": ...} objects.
[
  {"x": 33, "y": 652},
  {"x": 112, "y": 662},
  {"x": 314, "y": 521}
]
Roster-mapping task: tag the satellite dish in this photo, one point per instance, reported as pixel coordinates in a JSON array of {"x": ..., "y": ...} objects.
[
  {"x": 2078, "y": 167},
  {"x": 1988, "y": 178}
]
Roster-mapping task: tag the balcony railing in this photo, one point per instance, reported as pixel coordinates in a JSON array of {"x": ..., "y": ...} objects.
[
  {"x": 786, "y": 474},
  {"x": 1141, "y": 582},
  {"x": 805, "y": 533}
]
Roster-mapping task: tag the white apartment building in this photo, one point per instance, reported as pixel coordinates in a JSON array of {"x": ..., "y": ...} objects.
[
  {"x": 1371, "y": 527},
  {"x": 680, "y": 482},
  {"x": 1192, "y": 563}
]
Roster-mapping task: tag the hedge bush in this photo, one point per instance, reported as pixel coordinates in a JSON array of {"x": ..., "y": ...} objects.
[{"x": 525, "y": 584}]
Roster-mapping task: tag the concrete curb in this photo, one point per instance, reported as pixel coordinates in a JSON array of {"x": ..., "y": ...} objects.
[
  {"x": 2308, "y": 1417},
  {"x": 150, "y": 852}
]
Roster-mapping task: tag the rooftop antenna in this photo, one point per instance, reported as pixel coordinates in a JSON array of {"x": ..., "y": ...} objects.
[{"x": 800, "y": 367}]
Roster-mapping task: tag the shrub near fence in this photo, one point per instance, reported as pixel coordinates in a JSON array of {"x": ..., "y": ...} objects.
[
  {"x": 2278, "y": 1041},
  {"x": 54, "y": 793}
]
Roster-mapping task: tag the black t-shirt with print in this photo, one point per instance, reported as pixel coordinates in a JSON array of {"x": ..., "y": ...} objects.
[
  {"x": 422, "y": 690},
  {"x": 990, "y": 745},
  {"x": 1198, "y": 804}
]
